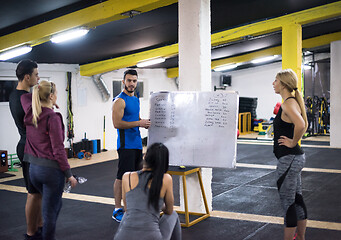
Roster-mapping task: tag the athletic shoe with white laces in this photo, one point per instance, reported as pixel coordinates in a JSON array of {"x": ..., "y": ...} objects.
[{"x": 117, "y": 215}]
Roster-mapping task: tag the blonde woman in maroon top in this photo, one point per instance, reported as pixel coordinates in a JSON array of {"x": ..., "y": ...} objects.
[{"x": 44, "y": 150}]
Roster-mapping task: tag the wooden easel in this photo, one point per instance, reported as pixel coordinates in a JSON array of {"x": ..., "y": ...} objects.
[{"x": 184, "y": 172}]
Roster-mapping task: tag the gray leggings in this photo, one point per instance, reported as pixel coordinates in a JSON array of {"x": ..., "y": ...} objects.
[
  {"x": 289, "y": 170},
  {"x": 169, "y": 229},
  {"x": 170, "y": 226}
]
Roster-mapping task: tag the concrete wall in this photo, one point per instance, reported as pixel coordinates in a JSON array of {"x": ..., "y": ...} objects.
[
  {"x": 52, "y": 72},
  {"x": 87, "y": 104},
  {"x": 89, "y": 108},
  {"x": 254, "y": 82},
  {"x": 335, "y": 95}
]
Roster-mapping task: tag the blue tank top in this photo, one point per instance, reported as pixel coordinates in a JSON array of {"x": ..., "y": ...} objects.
[{"x": 129, "y": 138}]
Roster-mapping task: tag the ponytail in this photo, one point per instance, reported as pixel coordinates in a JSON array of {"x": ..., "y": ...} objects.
[
  {"x": 36, "y": 105},
  {"x": 299, "y": 99},
  {"x": 41, "y": 93},
  {"x": 289, "y": 80},
  {"x": 157, "y": 158}
]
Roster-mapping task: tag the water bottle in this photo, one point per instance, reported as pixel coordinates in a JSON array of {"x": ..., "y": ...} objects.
[
  {"x": 80, "y": 180},
  {"x": 67, "y": 187}
]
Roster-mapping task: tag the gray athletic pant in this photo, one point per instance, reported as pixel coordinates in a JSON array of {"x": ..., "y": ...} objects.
[
  {"x": 288, "y": 170},
  {"x": 168, "y": 228}
]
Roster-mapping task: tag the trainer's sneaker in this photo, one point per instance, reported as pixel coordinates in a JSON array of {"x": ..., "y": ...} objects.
[{"x": 117, "y": 215}]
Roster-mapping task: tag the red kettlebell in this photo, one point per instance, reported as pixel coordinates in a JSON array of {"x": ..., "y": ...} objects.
[{"x": 278, "y": 105}]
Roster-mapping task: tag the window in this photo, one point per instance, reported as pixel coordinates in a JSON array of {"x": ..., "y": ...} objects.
[
  {"x": 117, "y": 87},
  {"x": 6, "y": 87}
]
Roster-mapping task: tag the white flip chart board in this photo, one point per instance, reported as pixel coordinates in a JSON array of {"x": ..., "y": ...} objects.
[{"x": 199, "y": 128}]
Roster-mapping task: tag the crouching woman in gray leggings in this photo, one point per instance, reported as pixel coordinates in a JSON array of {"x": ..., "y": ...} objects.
[
  {"x": 145, "y": 193},
  {"x": 289, "y": 126}
]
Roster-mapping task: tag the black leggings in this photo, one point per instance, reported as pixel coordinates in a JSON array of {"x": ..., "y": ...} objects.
[{"x": 25, "y": 169}]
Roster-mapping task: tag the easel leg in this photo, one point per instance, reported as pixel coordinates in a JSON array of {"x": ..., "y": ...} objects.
[
  {"x": 203, "y": 191},
  {"x": 185, "y": 200}
]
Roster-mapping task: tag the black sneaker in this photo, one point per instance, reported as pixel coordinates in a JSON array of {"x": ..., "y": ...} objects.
[
  {"x": 40, "y": 231},
  {"x": 36, "y": 236}
]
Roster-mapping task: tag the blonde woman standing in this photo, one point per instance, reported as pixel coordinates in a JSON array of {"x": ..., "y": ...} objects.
[
  {"x": 289, "y": 126},
  {"x": 44, "y": 150}
]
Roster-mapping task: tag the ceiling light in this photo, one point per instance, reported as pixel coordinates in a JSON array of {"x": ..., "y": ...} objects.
[
  {"x": 131, "y": 13},
  {"x": 15, "y": 52},
  {"x": 226, "y": 67},
  {"x": 264, "y": 59},
  {"x": 68, "y": 35},
  {"x": 151, "y": 62}
]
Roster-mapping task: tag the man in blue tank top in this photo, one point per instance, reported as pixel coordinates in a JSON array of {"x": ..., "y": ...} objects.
[{"x": 127, "y": 121}]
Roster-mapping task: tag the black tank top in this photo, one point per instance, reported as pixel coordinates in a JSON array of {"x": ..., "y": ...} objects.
[{"x": 282, "y": 128}]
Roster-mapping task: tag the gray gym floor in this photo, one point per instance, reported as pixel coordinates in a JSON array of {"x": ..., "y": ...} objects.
[{"x": 249, "y": 190}]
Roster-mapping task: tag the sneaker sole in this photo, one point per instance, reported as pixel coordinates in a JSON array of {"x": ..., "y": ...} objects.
[{"x": 115, "y": 219}]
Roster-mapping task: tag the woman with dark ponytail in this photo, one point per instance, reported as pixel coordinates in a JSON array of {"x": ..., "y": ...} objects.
[
  {"x": 45, "y": 152},
  {"x": 145, "y": 193},
  {"x": 289, "y": 126}
]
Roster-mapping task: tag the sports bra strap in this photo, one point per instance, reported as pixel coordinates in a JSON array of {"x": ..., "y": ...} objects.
[
  {"x": 129, "y": 181},
  {"x": 288, "y": 98}
]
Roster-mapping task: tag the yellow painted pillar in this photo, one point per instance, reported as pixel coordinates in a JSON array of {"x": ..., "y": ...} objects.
[{"x": 292, "y": 49}]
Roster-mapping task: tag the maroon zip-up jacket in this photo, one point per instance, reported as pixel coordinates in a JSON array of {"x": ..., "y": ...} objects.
[{"x": 45, "y": 144}]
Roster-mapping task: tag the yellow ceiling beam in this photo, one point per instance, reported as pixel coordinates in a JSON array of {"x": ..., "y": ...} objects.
[
  {"x": 247, "y": 57},
  {"x": 303, "y": 17},
  {"x": 90, "y": 17},
  {"x": 127, "y": 61},
  {"x": 174, "y": 72},
  {"x": 271, "y": 25},
  {"x": 321, "y": 40},
  {"x": 307, "y": 43}
]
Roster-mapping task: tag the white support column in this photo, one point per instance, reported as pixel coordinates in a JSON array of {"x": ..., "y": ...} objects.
[
  {"x": 195, "y": 75},
  {"x": 335, "y": 94},
  {"x": 194, "y": 45}
]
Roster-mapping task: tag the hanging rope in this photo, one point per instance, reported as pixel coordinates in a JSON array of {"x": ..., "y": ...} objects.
[{"x": 70, "y": 132}]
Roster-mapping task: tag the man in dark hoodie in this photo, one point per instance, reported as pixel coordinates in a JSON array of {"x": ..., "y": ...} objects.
[{"x": 27, "y": 73}]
